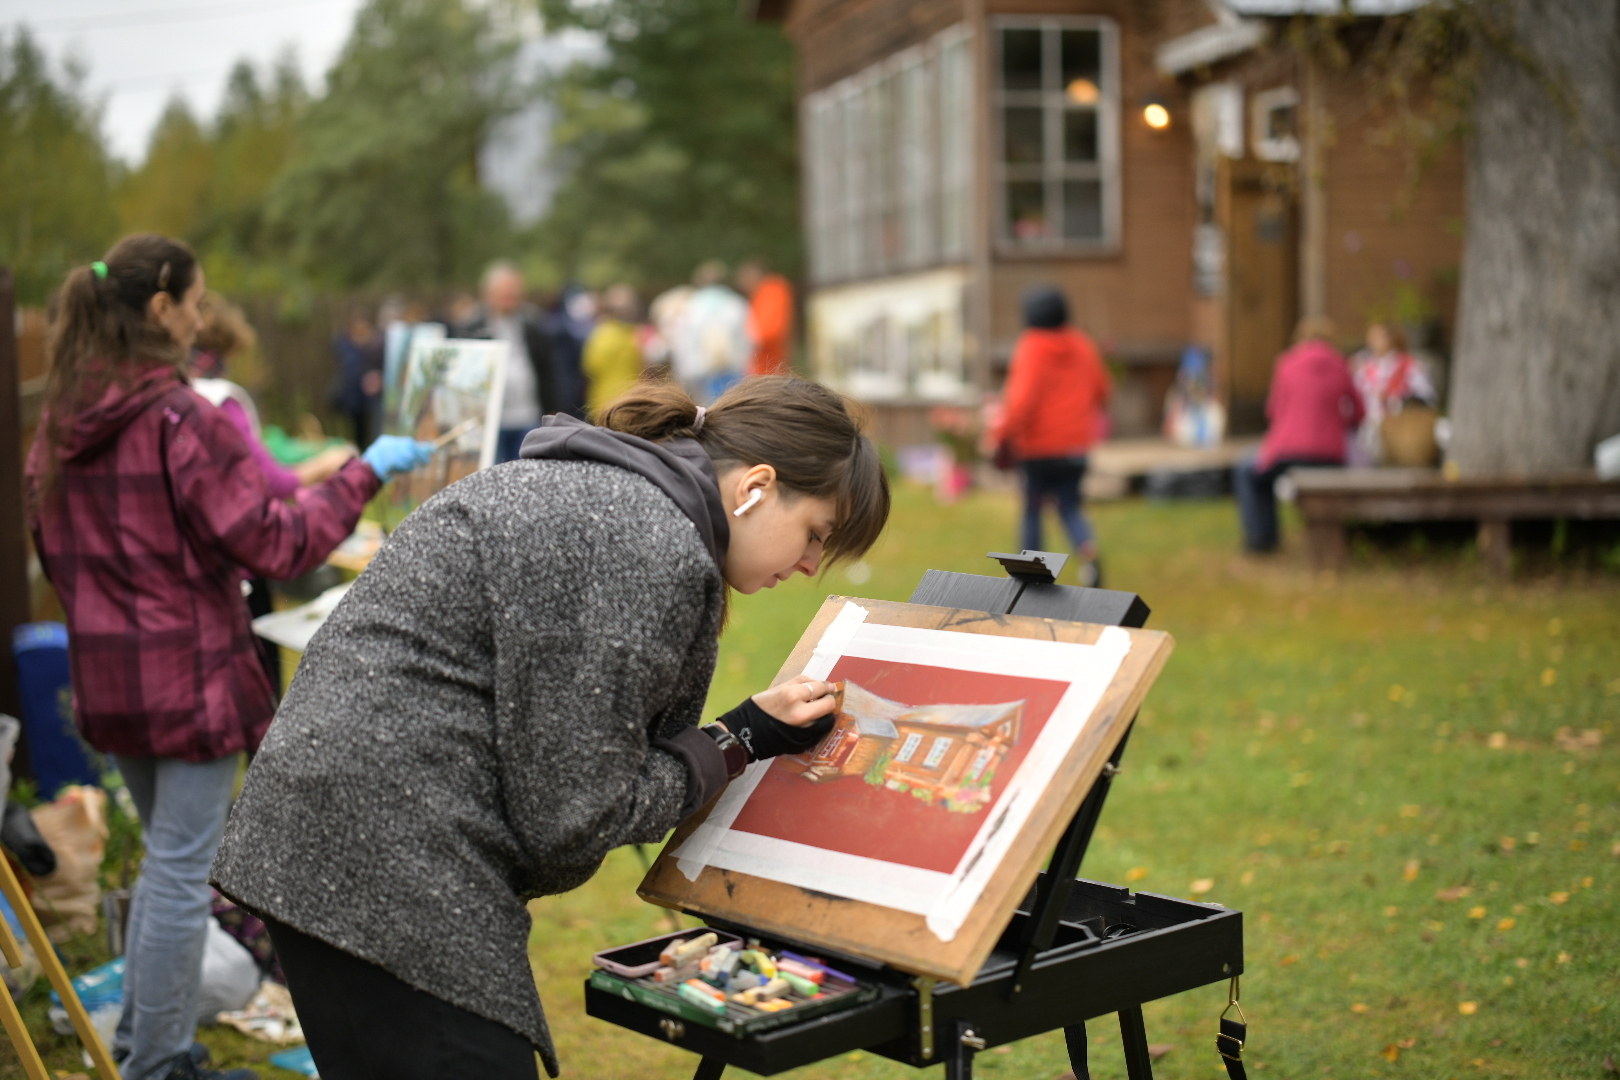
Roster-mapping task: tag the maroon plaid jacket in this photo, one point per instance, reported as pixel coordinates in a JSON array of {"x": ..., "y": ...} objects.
[{"x": 157, "y": 508}]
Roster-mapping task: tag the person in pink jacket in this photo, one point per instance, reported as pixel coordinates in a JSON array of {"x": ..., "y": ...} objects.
[
  {"x": 1313, "y": 407},
  {"x": 147, "y": 513}
]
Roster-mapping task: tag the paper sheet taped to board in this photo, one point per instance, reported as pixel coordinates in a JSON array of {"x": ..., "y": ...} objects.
[{"x": 944, "y": 743}]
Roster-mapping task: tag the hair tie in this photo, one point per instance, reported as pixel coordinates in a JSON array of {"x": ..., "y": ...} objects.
[
  {"x": 697, "y": 422},
  {"x": 100, "y": 269}
]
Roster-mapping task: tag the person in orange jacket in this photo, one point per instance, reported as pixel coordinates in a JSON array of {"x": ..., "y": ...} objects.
[
  {"x": 770, "y": 318},
  {"x": 1055, "y": 389}
]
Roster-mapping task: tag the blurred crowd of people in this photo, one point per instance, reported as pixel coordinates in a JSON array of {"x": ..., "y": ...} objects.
[{"x": 577, "y": 350}]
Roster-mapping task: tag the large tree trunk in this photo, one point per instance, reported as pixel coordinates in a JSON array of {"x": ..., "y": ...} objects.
[{"x": 1537, "y": 375}]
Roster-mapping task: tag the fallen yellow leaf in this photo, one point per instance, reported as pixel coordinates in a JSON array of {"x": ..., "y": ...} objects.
[
  {"x": 1497, "y": 740},
  {"x": 1136, "y": 873},
  {"x": 1468, "y": 1008},
  {"x": 1201, "y": 886},
  {"x": 1289, "y": 960},
  {"x": 1476, "y": 913},
  {"x": 1559, "y": 897},
  {"x": 1521, "y": 962},
  {"x": 1456, "y": 892},
  {"x": 1507, "y": 924},
  {"x": 1563, "y": 958},
  {"x": 1397, "y": 692},
  {"x": 1586, "y": 882},
  {"x": 1411, "y": 810},
  {"x": 1410, "y": 872},
  {"x": 1248, "y": 877},
  {"x": 1390, "y": 1053},
  {"x": 1549, "y": 676},
  {"x": 1392, "y": 911},
  {"x": 1507, "y": 843},
  {"x": 1359, "y": 1007}
]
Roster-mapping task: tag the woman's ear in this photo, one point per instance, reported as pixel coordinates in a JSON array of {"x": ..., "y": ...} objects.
[{"x": 160, "y": 307}]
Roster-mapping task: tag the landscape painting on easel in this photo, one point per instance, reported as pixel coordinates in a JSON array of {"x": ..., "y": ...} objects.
[
  {"x": 904, "y": 778},
  {"x": 448, "y": 386}
]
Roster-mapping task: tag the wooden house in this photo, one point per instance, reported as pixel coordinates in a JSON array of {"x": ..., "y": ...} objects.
[
  {"x": 1180, "y": 168},
  {"x": 947, "y": 753}
]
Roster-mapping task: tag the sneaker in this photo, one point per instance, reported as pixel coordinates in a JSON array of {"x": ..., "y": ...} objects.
[
  {"x": 185, "y": 1067},
  {"x": 199, "y": 1053},
  {"x": 1090, "y": 574}
]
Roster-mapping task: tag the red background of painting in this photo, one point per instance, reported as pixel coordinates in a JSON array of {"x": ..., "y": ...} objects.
[{"x": 851, "y": 816}]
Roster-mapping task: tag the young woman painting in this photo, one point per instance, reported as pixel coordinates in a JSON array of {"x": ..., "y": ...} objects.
[
  {"x": 510, "y": 691},
  {"x": 147, "y": 514}
]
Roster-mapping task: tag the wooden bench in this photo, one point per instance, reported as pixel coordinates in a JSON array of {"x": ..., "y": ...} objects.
[{"x": 1332, "y": 499}]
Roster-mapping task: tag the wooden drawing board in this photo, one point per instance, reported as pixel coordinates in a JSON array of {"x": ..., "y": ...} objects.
[{"x": 898, "y": 938}]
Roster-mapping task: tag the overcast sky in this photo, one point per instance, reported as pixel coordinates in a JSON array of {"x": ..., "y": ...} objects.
[{"x": 142, "y": 52}]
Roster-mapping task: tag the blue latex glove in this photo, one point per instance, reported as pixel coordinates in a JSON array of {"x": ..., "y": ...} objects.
[{"x": 391, "y": 455}]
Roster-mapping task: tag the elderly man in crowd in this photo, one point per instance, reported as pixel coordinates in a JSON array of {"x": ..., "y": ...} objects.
[{"x": 531, "y": 378}]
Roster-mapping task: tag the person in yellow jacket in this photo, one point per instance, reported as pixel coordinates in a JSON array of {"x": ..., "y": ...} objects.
[{"x": 612, "y": 360}]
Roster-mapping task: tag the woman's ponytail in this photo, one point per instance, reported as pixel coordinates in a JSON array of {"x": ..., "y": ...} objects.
[{"x": 653, "y": 410}]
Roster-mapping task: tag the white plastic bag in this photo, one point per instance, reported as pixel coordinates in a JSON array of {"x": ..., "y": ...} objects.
[{"x": 230, "y": 976}]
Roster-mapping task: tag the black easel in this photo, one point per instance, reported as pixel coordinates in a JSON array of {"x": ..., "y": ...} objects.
[{"x": 1075, "y": 950}]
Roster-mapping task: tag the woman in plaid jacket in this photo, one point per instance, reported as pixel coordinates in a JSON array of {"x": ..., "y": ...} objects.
[{"x": 148, "y": 514}]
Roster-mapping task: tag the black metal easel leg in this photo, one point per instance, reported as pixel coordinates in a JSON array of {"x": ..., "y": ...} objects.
[
  {"x": 1133, "y": 1032},
  {"x": 709, "y": 1069},
  {"x": 963, "y": 1042},
  {"x": 1075, "y": 1037}
]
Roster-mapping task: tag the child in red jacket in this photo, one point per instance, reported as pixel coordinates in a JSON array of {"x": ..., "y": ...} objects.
[{"x": 1055, "y": 389}]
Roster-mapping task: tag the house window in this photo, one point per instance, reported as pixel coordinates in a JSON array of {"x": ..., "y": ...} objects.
[
  {"x": 888, "y": 164},
  {"x": 980, "y": 760},
  {"x": 1276, "y": 124},
  {"x": 909, "y": 747},
  {"x": 936, "y": 753},
  {"x": 1057, "y": 110}
]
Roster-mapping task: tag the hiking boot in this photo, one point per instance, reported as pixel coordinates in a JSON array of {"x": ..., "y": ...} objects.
[{"x": 185, "y": 1067}]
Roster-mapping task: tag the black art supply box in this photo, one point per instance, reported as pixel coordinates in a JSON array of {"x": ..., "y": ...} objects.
[
  {"x": 1114, "y": 949},
  {"x": 620, "y": 974}
]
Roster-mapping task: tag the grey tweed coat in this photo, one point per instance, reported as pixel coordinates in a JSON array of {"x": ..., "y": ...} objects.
[{"x": 471, "y": 728}]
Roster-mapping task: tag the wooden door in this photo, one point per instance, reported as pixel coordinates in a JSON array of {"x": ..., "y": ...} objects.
[{"x": 1257, "y": 206}]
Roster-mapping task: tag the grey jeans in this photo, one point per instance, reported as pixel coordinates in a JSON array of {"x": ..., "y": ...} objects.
[{"x": 182, "y": 806}]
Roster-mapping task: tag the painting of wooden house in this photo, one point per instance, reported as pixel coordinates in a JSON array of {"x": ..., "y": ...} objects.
[
  {"x": 863, "y": 729},
  {"x": 940, "y": 754}
]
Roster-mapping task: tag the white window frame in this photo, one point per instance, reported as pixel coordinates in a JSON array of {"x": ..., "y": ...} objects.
[
  {"x": 891, "y": 148},
  {"x": 1053, "y": 170},
  {"x": 908, "y": 748},
  {"x": 936, "y": 752},
  {"x": 1267, "y": 102}
]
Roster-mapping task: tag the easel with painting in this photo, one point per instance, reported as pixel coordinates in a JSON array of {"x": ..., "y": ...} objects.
[{"x": 980, "y": 728}]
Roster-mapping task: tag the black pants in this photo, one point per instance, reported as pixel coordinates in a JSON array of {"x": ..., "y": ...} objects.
[{"x": 362, "y": 1023}]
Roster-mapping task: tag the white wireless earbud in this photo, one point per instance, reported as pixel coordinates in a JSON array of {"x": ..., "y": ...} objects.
[{"x": 753, "y": 499}]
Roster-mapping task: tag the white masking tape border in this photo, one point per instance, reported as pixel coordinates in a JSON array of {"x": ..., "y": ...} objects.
[{"x": 698, "y": 850}]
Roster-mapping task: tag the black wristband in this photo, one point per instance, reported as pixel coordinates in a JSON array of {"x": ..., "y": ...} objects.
[{"x": 766, "y": 737}]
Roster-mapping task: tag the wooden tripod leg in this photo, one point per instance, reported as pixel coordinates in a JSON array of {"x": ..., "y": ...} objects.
[
  {"x": 1133, "y": 1032},
  {"x": 1074, "y": 1036},
  {"x": 56, "y": 973},
  {"x": 709, "y": 1069},
  {"x": 27, "y": 1052}
]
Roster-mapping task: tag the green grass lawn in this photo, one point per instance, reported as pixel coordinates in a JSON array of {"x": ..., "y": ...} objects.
[{"x": 1384, "y": 769}]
